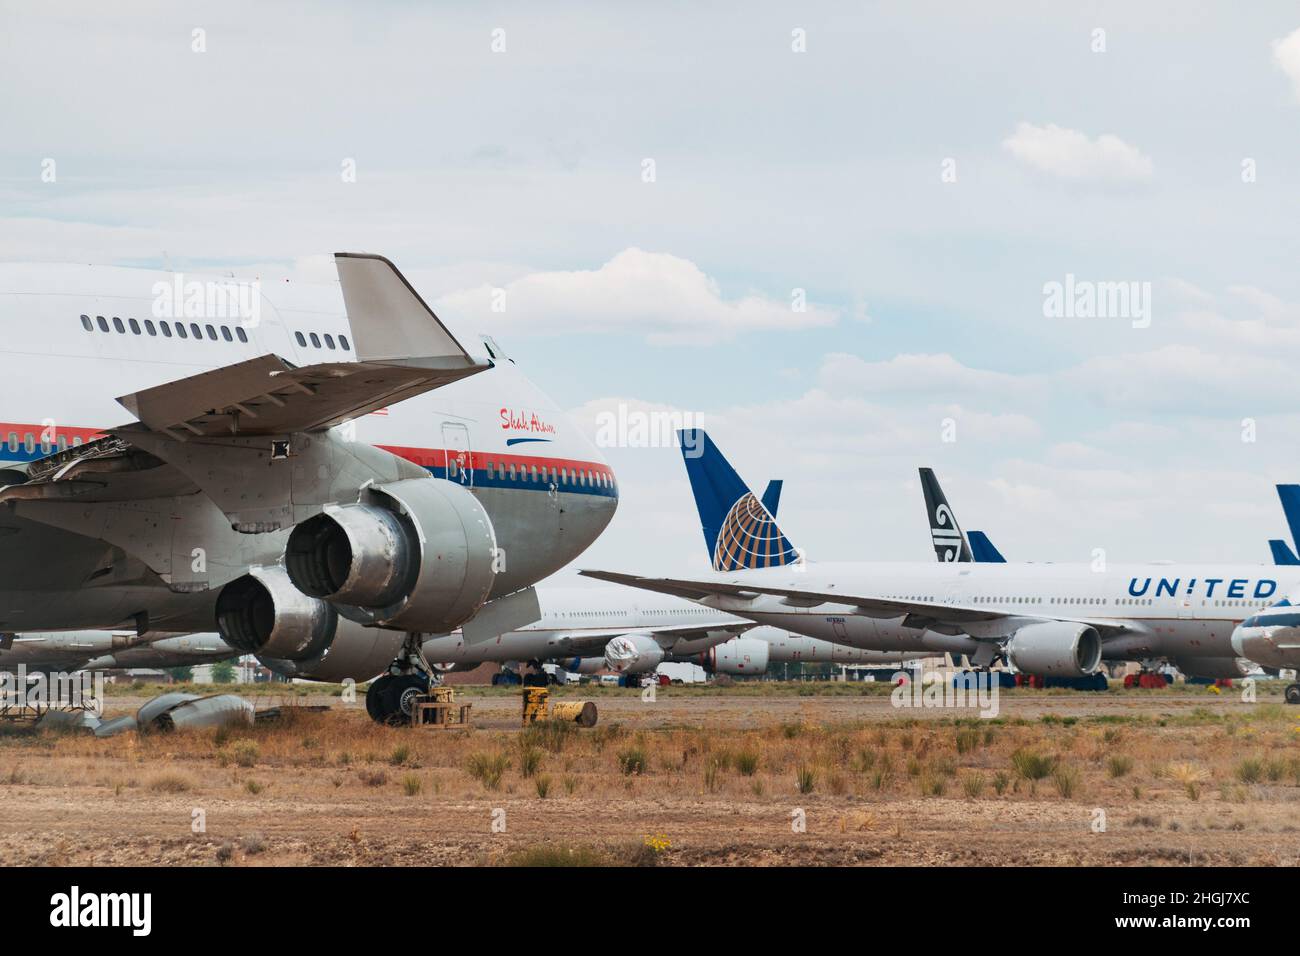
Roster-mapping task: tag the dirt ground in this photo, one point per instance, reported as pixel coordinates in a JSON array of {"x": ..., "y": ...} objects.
[{"x": 725, "y": 776}]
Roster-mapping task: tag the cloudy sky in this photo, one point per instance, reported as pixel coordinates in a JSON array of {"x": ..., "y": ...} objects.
[{"x": 914, "y": 174}]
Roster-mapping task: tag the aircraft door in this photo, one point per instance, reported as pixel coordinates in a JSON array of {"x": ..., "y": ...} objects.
[{"x": 460, "y": 459}]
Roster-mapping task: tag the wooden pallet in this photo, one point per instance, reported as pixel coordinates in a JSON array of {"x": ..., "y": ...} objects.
[{"x": 443, "y": 714}]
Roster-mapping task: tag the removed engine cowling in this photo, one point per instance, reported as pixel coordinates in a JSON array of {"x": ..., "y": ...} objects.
[
  {"x": 295, "y": 635},
  {"x": 1055, "y": 649},
  {"x": 738, "y": 656},
  {"x": 633, "y": 654},
  {"x": 415, "y": 555}
]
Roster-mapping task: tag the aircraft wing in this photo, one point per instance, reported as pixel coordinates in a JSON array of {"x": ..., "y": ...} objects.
[
  {"x": 583, "y": 643},
  {"x": 918, "y": 614}
]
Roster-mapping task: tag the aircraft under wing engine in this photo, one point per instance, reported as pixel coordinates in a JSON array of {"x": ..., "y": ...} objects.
[{"x": 919, "y": 614}]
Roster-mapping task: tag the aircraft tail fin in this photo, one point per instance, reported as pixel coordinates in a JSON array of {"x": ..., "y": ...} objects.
[
  {"x": 739, "y": 530},
  {"x": 772, "y": 496},
  {"x": 1282, "y": 553},
  {"x": 949, "y": 543},
  {"x": 982, "y": 549}
]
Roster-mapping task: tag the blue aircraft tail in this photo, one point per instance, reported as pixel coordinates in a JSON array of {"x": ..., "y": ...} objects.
[
  {"x": 739, "y": 530},
  {"x": 1289, "y": 495},
  {"x": 772, "y": 496},
  {"x": 1282, "y": 553},
  {"x": 982, "y": 549}
]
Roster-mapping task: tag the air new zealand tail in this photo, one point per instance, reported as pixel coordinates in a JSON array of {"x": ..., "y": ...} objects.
[{"x": 949, "y": 543}]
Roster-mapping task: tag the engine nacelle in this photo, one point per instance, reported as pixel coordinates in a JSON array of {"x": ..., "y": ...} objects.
[
  {"x": 1270, "y": 638},
  {"x": 263, "y": 613},
  {"x": 1055, "y": 649},
  {"x": 633, "y": 654},
  {"x": 355, "y": 652},
  {"x": 583, "y": 665},
  {"x": 739, "y": 656},
  {"x": 295, "y": 635},
  {"x": 413, "y": 555}
]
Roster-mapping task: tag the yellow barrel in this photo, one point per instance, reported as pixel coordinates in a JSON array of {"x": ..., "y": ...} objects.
[{"x": 580, "y": 712}]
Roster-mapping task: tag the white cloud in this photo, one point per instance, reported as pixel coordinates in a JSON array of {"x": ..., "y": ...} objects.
[
  {"x": 1071, "y": 155},
  {"x": 666, "y": 298},
  {"x": 1286, "y": 54},
  {"x": 933, "y": 374}
]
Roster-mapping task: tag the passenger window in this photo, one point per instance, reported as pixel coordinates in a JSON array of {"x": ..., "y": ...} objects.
[
  {"x": 196, "y": 331},
  {"x": 117, "y": 324},
  {"x": 315, "y": 341},
  {"x": 225, "y": 333},
  {"x": 180, "y": 330},
  {"x": 150, "y": 327},
  {"x": 13, "y": 441},
  {"x": 239, "y": 331},
  {"x": 87, "y": 324},
  {"x": 135, "y": 326},
  {"x": 301, "y": 341},
  {"x": 329, "y": 342},
  {"x": 29, "y": 442},
  {"x": 343, "y": 342},
  {"x": 212, "y": 333},
  {"x": 103, "y": 323},
  {"x": 166, "y": 329}
]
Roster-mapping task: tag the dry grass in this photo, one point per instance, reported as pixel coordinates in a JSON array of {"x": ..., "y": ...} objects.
[{"x": 1202, "y": 770}]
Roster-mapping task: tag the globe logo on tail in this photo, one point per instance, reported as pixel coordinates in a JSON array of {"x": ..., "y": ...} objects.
[{"x": 749, "y": 538}]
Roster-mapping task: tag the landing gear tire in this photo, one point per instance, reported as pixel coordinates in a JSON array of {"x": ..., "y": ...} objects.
[
  {"x": 391, "y": 699},
  {"x": 403, "y": 692},
  {"x": 375, "y": 698},
  {"x": 1293, "y": 694}
]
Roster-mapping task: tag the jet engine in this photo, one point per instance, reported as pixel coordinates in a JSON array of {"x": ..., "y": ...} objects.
[
  {"x": 1270, "y": 638},
  {"x": 295, "y": 635},
  {"x": 739, "y": 656},
  {"x": 633, "y": 654},
  {"x": 413, "y": 555},
  {"x": 1055, "y": 649}
]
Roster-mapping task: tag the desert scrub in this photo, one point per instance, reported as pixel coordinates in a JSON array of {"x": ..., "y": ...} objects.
[
  {"x": 633, "y": 760},
  {"x": 487, "y": 769},
  {"x": 530, "y": 760},
  {"x": 747, "y": 762},
  {"x": 1066, "y": 779},
  {"x": 805, "y": 778},
  {"x": 1118, "y": 765}
]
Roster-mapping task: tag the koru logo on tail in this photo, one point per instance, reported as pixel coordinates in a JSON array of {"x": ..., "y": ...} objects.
[{"x": 946, "y": 534}]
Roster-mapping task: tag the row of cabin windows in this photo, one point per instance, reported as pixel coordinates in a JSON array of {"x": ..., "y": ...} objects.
[
  {"x": 1123, "y": 602},
  {"x": 316, "y": 340},
  {"x": 28, "y": 443},
  {"x": 149, "y": 328},
  {"x": 563, "y": 476}
]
